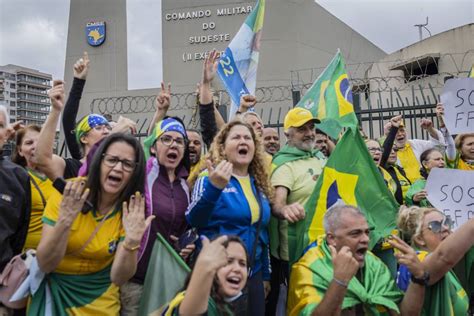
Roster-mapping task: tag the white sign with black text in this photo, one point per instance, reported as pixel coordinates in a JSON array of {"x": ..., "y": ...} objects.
[
  {"x": 458, "y": 101},
  {"x": 452, "y": 192}
]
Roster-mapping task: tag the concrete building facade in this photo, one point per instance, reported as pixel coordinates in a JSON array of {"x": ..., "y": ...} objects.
[
  {"x": 413, "y": 77},
  {"x": 24, "y": 92},
  {"x": 296, "y": 34}
]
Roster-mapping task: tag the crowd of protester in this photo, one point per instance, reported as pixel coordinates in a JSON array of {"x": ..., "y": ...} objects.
[{"x": 241, "y": 190}]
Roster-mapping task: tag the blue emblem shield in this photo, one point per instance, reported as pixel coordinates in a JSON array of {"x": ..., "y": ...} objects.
[{"x": 95, "y": 33}]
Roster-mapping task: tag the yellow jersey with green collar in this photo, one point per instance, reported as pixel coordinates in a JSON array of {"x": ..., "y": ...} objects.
[{"x": 100, "y": 252}]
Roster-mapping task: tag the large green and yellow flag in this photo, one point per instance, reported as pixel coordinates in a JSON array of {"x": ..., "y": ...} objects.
[
  {"x": 330, "y": 98},
  {"x": 350, "y": 177},
  {"x": 165, "y": 277}
]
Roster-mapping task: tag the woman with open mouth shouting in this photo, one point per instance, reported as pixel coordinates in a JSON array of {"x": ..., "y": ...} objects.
[
  {"x": 216, "y": 282},
  {"x": 167, "y": 198},
  {"x": 83, "y": 256},
  {"x": 233, "y": 198}
]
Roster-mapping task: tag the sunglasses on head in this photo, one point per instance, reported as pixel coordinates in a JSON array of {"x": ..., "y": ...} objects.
[{"x": 437, "y": 226}]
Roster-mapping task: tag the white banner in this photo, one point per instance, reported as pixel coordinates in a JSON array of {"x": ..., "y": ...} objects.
[
  {"x": 452, "y": 192},
  {"x": 458, "y": 101}
]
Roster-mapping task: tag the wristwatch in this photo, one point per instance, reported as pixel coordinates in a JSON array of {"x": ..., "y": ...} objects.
[
  {"x": 130, "y": 248},
  {"x": 423, "y": 280}
]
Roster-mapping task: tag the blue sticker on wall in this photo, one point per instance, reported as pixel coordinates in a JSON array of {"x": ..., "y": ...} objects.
[{"x": 95, "y": 33}]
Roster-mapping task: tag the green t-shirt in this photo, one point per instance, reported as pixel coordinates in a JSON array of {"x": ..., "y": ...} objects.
[{"x": 299, "y": 177}]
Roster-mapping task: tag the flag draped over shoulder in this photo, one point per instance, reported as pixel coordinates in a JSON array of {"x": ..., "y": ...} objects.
[
  {"x": 330, "y": 98},
  {"x": 165, "y": 276},
  {"x": 351, "y": 177},
  {"x": 238, "y": 64}
]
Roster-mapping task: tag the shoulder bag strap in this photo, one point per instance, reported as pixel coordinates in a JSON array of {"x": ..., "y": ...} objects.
[
  {"x": 39, "y": 190},
  {"x": 94, "y": 233}
]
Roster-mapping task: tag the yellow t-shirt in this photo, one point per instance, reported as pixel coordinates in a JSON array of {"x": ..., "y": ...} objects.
[
  {"x": 37, "y": 207},
  {"x": 410, "y": 164},
  {"x": 100, "y": 252},
  {"x": 250, "y": 197}
]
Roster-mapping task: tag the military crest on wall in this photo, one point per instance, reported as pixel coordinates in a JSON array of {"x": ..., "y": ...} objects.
[{"x": 95, "y": 33}]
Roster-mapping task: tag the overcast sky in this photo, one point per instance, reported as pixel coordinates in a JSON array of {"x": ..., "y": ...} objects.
[{"x": 33, "y": 32}]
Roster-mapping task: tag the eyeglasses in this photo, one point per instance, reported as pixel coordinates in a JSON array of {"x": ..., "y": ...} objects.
[
  {"x": 102, "y": 127},
  {"x": 111, "y": 161},
  {"x": 374, "y": 149},
  {"x": 437, "y": 226},
  {"x": 168, "y": 141}
]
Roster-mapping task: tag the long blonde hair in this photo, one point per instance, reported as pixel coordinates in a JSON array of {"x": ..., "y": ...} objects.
[{"x": 257, "y": 168}]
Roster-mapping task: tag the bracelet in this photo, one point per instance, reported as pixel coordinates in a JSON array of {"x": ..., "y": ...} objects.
[
  {"x": 130, "y": 248},
  {"x": 339, "y": 282}
]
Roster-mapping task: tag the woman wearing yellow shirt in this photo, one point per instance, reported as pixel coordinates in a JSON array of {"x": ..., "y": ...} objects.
[
  {"x": 41, "y": 186},
  {"x": 86, "y": 255},
  {"x": 464, "y": 158}
]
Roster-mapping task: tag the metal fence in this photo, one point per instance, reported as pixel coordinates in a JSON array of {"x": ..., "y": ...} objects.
[{"x": 378, "y": 94}]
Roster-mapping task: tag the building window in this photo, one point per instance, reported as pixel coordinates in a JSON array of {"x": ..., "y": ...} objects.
[
  {"x": 12, "y": 85},
  {"x": 419, "y": 67},
  {"x": 13, "y": 94}
]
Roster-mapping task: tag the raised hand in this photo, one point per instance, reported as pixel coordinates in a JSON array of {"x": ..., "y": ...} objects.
[
  {"x": 133, "y": 219},
  {"x": 293, "y": 212},
  {"x": 163, "y": 99},
  {"x": 213, "y": 254},
  {"x": 209, "y": 68},
  {"x": 57, "y": 95},
  {"x": 220, "y": 175},
  {"x": 74, "y": 197},
  {"x": 406, "y": 255},
  {"x": 396, "y": 121},
  {"x": 13, "y": 128},
  {"x": 426, "y": 124},
  {"x": 344, "y": 264},
  {"x": 246, "y": 102},
  {"x": 125, "y": 125},
  {"x": 81, "y": 67},
  {"x": 440, "y": 114}
]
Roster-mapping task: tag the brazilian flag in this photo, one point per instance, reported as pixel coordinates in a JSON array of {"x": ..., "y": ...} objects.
[
  {"x": 352, "y": 178},
  {"x": 165, "y": 277},
  {"x": 330, "y": 98}
]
